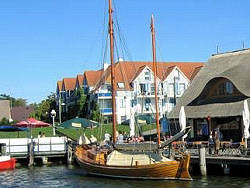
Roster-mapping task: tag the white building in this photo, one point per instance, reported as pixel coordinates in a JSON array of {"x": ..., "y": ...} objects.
[{"x": 135, "y": 87}]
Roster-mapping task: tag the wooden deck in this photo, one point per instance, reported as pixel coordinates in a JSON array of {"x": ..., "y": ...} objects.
[{"x": 48, "y": 146}]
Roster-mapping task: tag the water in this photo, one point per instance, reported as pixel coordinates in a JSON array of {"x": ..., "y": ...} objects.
[{"x": 63, "y": 176}]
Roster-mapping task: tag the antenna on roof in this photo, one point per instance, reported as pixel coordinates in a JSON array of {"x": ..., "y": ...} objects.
[{"x": 217, "y": 48}]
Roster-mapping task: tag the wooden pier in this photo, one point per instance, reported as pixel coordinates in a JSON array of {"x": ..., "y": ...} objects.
[{"x": 28, "y": 148}]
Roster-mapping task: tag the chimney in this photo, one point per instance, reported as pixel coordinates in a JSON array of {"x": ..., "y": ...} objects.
[
  {"x": 105, "y": 66},
  {"x": 120, "y": 59}
]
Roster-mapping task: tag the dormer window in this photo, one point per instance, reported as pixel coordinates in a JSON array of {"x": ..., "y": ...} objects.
[
  {"x": 147, "y": 75},
  {"x": 121, "y": 85}
]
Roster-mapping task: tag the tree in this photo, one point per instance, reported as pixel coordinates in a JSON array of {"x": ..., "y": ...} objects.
[
  {"x": 43, "y": 109},
  {"x": 4, "y": 121},
  {"x": 95, "y": 111},
  {"x": 77, "y": 108}
]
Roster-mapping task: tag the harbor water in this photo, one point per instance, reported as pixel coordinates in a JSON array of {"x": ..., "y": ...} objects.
[{"x": 70, "y": 176}]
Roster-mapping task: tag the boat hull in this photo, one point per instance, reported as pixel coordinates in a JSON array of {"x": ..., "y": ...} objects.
[
  {"x": 161, "y": 170},
  {"x": 8, "y": 164}
]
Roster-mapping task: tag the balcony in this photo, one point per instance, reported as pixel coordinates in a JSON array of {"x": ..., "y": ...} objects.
[
  {"x": 147, "y": 94},
  {"x": 104, "y": 95},
  {"x": 106, "y": 111}
]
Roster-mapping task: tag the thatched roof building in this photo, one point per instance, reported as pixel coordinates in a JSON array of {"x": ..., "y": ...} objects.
[{"x": 219, "y": 88}]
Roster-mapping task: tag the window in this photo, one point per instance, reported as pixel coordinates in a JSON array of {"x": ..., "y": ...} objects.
[
  {"x": 143, "y": 88},
  {"x": 120, "y": 84},
  {"x": 123, "y": 118},
  {"x": 122, "y": 103},
  {"x": 171, "y": 100},
  {"x": 221, "y": 89},
  {"x": 109, "y": 87},
  {"x": 147, "y": 75},
  {"x": 229, "y": 88},
  {"x": 147, "y": 104},
  {"x": 181, "y": 88},
  {"x": 133, "y": 102},
  {"x": 152, "y": 89},
  {"x": 171, "y": 89}
]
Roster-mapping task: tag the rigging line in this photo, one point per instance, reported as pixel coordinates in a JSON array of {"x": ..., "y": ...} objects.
[
  {"x": 103, "y": 34},
  {"x": 159, "y": 51},
  {"x": 120, "y": 43},
  {"x": 121, "y": 36},
  {"x": 116, "y": 47},
  {"x": 105, "y": 50}
]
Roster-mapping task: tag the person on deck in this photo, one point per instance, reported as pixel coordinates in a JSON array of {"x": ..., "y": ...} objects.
[
  {"x": 39, "y": 134},
  {"x": 217, "y": 141},
  {"x": 210, "y": 142}
]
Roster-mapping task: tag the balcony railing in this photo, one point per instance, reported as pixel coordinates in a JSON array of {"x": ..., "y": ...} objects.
[
  {"x": 106, "y": 110},
  {"x": 104, "y": 94}
]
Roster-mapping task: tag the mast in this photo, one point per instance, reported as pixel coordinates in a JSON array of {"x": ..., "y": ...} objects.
[
  {"x": 111, "y": 41},
  {"x": 155, "y": 83}
]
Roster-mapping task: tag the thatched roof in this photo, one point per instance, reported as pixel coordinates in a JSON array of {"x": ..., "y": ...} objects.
[{"x": 234, "y": 66}]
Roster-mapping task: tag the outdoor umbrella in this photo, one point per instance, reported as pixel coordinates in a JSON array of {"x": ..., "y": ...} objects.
[
  {"x": 245, "y": 116},
  {"x": 10, "y": 128},
  {"x": 79, "y": 123},
  {"x": 32, "y": 122},
  {"x": 182, "y": 120}
]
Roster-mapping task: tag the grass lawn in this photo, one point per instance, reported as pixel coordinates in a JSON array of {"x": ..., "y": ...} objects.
[
  {"x": 24, "y": 134},
  {"x": 98, "y": 132}
]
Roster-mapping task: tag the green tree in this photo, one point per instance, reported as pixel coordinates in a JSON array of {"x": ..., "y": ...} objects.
[
  {"x": 4, "y": 121},
  {"x": 77, "y": 108},
  {"x": 43, "y": 109},
  {"x": 95, "y": 111}
]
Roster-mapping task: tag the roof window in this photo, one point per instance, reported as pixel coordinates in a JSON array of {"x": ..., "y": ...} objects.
[{"x": 121, "y": 84}]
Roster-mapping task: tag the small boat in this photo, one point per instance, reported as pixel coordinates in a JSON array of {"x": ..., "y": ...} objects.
[
  {"x": 146, "y": 161},
  {"x": 7, "y": 163}
]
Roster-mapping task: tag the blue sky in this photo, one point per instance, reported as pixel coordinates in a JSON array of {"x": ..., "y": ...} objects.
[{"x": 43, "y": 41}]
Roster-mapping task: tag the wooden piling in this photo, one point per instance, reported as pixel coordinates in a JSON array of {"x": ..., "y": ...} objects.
[
  {"x": 31, "y": 153},
  {"x": 44, "y": 160},
  {"x": 202, "y": 156}
]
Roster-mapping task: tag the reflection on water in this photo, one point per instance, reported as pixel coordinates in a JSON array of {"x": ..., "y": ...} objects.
[{"x": 62, "y": 176}]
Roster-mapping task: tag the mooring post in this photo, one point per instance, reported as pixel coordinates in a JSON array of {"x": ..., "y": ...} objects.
[
  {"x": 226, "y": 169},
  {"x": 44, "y": 160},
  {"x": 202, "y": 155},
  {"x": 31, "y": 153},
  {"x": 69, "y": 154}
]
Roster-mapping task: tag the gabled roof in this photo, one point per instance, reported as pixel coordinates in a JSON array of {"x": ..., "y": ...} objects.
[
  {"x": 233, "y": 66},
  {"x": 92, "y": 77},
  {"x": 195, "y": 72},
  {"x": 125, "y": 71},
  {"x": 169, "y": 70},
  {"x": 79, "y": 79},
  {"x": 59, "y": 85},
  {"x": 139, "y": 72},
  {"x": 69, "y": 84}
]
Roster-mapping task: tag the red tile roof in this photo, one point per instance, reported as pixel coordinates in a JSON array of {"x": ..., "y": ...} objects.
[
  {"x": 59, "y": 85},
  {"x": 125, "y": 71},
  {"x": 69, "y": 83},
  {"x": 79, "y": 79},
  {"x": 195, "y": 72},
  {"x": 92, "y": 77}
]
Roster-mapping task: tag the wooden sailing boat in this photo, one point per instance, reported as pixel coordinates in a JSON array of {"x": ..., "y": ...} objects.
[{"x": 138, "y": 163}]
